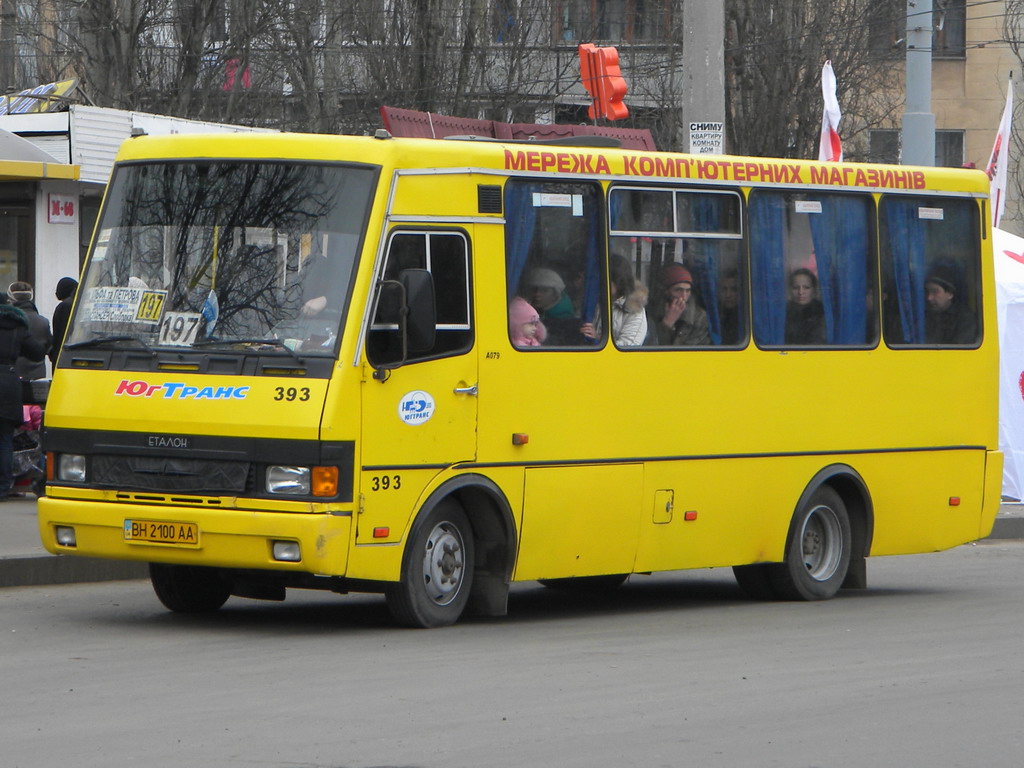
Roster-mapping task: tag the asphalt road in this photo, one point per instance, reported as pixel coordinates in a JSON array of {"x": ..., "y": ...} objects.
[{"x": 922, "y": 669}]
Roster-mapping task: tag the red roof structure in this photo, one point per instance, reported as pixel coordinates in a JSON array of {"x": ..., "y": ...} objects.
[{"x": 410, "y": 123}]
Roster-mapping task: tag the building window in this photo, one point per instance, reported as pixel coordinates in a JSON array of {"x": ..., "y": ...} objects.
[
  {"x": 503, "y": 21},
  {"x": 949, "y": 148},
  {"x": 885, "y": 147},
  {"x": 949, "y": 29},
  {"x": 613, "y": 20},
  {"x": 888, "y": 30}
]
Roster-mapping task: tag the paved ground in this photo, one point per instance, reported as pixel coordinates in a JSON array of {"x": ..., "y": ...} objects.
[{"x": 23, "y": 561}]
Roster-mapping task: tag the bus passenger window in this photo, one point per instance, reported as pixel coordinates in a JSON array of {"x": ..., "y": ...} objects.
[
  {"x": 812, "y": 267},
  {"x": 931, "y": 271},
  {"x": 683, "y": 247},
  {"x": 554, "y": 260}
]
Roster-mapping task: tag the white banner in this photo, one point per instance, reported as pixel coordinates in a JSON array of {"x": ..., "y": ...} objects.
[
  {"x": 997, "y": 162},
  {"x": 831, "y": 147}
]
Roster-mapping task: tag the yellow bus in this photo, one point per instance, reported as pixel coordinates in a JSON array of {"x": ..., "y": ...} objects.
[{"x": 432, "y": 368}]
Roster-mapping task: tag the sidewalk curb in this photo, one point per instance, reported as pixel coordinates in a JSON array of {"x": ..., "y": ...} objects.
[
  {"x": 40, "y": 570},
  {"x": 1008, "y": 528}
]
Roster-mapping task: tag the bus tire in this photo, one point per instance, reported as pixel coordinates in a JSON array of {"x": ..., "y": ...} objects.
[
  {"x": 188, "y": 588},
  {"x": 587, "y": 583},
  {"x": 756, "y": 581},
  {"x": 817, "y": 550},
  {"x": 437, "y": 570}
]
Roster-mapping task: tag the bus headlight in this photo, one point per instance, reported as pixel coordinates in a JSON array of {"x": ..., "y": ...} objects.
[
  {"x": 293, "y": 481},
  {"x": 71, "y": 467}
]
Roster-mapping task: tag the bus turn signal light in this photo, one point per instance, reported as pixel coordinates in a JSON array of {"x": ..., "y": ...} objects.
[
  {"x": 325, "y": 481},
  {"x": 520, "y": 438},
  {"x": 954, "y": 501}
]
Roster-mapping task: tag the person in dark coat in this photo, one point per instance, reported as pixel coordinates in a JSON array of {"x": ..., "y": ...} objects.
[
  {"x": 66, "y": 289},
  {"x": 805, "y": 314},
  {"x": 947, "y": 320},
  {"x": 22, "y": 295},
  {"x": 15, "y": 342}
]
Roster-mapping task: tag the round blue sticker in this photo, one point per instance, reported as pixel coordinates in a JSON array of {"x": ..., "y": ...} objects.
[{"x": 416, "y": 407}]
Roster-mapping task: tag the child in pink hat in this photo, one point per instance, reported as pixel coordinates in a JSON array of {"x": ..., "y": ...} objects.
[{"x": 524, "y": 325}]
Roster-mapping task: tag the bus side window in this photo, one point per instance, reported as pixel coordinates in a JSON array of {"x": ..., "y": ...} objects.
[
  {"x": 812, "y": 267},
  {"x": 931, "y": 271},
  {"x": 554, "y": 260},
  {"x": 668, "y": 234},
  {"x": 446, "y": 256}
]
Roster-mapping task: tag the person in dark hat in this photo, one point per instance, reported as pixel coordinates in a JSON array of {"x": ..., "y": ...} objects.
[
  {"x": 65, "y": 293},
  {"x": 946, "y": 319},
  {"x": 15, "y": 341},
  {"x": 681, "y": 322}
]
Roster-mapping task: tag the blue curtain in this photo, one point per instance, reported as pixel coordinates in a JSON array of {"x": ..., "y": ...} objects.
[
  {"x": 841, "y": 248},
  {"x": 592, "y": 267},
  {"x": 768, "y": 267},
  {"x": 520, "y": 220},
  {"x": 906, "y": 241},
  {"x": 707, "y": 214}
]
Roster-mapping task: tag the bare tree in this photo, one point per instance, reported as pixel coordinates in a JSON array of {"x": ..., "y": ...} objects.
[
  {"x": 775, "y": 50},
  {"x": 1013, "y": 31}
]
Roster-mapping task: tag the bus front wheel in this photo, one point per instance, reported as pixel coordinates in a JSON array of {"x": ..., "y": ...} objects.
[
  {"x": 818, "y": 550},
  {"x": 189, "y": 589},
  {"x": 437, "y": 570}
]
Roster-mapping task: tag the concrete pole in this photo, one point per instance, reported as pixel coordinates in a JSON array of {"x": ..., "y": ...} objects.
[
  {"x": 918, "y": 120},
  {"x": 702, "y": 93}
]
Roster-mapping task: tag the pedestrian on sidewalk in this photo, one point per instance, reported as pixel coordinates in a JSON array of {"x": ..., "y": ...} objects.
[
  {"x": 22, "y": 295},
  {"x": 15, "y": 341},
  {"x": 65, "y": 293}
]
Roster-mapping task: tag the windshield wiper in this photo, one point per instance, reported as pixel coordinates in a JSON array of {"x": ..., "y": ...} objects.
[
  {"x": 109, "y": 339},
  {"x": 276, "y": 343}
]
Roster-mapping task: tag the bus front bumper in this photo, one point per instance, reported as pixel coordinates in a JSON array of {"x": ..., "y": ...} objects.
[{"x": 316, "y": 543}]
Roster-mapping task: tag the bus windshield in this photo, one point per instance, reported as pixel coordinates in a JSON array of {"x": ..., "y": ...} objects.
[{"x": 224, "y": 255}]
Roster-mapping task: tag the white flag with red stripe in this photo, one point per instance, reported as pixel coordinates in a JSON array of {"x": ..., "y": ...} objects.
[
  {"x": 831, "y": 147},
  {"x": 996, "y": 169}
]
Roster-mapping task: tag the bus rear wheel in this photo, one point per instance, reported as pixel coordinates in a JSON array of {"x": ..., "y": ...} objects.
[
  {"x": 437, "y": 570},
  {"x": 189, "y": 589},
  {"x": 818, "y": 550}
]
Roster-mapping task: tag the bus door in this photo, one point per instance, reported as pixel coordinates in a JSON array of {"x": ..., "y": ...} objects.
[{"x": 421, "y": 416}]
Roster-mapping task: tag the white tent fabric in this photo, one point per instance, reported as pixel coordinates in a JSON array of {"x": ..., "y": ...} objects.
[
  {"x": 1008, "y": 252},
  {"x": 13, "y": 147}
]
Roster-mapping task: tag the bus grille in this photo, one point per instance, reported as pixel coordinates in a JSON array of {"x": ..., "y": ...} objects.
[{"x": 170, "y": 475}]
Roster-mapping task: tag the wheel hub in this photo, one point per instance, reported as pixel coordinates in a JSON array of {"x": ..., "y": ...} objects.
[{"x": 443, "y": 564}]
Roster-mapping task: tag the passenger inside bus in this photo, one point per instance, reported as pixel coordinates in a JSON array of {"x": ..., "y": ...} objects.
[
  {"x": 805, "y": 314},
  {"x": 680, "y": 322},
  {"x": 729, "y": 307},
  {"x": 545, "y": 289},
  {"x": 946, "y": 320},
  {"x": 629, "y": 300},
  {"x": 524, "y": 325}
]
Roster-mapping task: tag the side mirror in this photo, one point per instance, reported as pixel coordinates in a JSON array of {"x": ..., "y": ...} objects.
[
  {"x": 405, "y": 321},
  {"x": 421, "y": 316}
]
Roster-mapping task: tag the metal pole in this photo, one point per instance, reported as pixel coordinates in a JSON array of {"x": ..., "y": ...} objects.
[{"x": 918, "y": 120}]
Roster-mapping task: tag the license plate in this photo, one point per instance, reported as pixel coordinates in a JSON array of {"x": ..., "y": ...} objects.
[{"x": 162, "y": 532}]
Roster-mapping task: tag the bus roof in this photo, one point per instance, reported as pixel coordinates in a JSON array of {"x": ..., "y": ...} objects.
[{"x": 559, "y": 159}]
